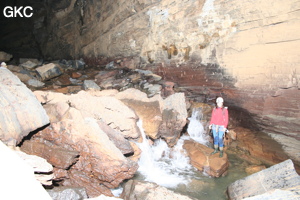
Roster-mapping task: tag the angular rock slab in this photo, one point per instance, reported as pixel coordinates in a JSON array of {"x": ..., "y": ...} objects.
[
  {"x": 272, "y": 183},
  {"x": 49, "y": 71},
  {"x": 20, "y": 111},
  {"x": 57, "y": 156},
  {"x": 203, "y": 161}
]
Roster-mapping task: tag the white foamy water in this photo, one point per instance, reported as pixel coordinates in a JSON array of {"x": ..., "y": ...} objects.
[
  {"x": 195, "y": 128},
  {"x": 166, "y": 166}
]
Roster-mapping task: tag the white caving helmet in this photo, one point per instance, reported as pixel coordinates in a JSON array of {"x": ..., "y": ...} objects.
[
  {"x": 3, "y": 64},
  {"x": 219, "y": 100}
]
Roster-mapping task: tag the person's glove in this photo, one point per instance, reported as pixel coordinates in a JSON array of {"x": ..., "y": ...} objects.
[{"x": 210, "y": 126}]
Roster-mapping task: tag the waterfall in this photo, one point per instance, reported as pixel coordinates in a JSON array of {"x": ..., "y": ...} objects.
[
  {"x": 195, "y": 128},
  {"x": 165, "y": 166}
]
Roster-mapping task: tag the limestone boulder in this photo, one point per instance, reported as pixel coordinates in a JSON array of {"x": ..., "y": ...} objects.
[
  {"x": 281, "y": 180},
  {"x": 200, "y": 158},
  {"x": 80, "y": 122},
  {"x": 276, "y": 194},
  {"x": 17, "y": 178},
  {"x": 90, "y": 84},
  {"x": 96, "y": 104},
  {"x": 100, "y": 161},
  {"x": 174, "y": 118},
  {"x": 100, "y": 166},
  {"x": 33, "y": 82},
  {"x": 20, "y": 111},
  {"x": 147, "y": 109},
  {"x": 49, "y": 71},
  {"x": 117, "y": 138},
  {"x": 109, "y": 109},
  {"x": 140, "y": 190}
]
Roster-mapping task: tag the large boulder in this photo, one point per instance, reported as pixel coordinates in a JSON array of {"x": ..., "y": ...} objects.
[
  {"x": 17, "y": 178},
  {"x": 147, "y": 109},
  {"x": 111, "y": 110},
  {"x": 201, "y": 159},
  {"x": 20, "y": 111},
  {"x": 119, "y": 141},
  {"x": 280, "y": 181},
  {"x": 174, "y": 116},
  {"x": 95, "y": 105},
  {"x": 80, "y": 122},
  {"x": 140, "y": 190},
  {"x": 161, "y": 118},
  {"x": 48, "y": 71}
]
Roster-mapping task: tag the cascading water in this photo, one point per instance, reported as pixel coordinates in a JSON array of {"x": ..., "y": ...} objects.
[
  {"x": 166, "y": 166},
  {"x": 169, "y": 167},
  {"x": 161, "y": 164},
  {"x": 195, "y": 128}
]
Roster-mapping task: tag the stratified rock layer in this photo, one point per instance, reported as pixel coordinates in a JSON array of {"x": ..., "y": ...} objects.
[
  {"x": 246, "y": 52},
  {"x": 200, "y": 157},
  {"x": 77, "y": 126},
  {"x": 280, "y": 179}
]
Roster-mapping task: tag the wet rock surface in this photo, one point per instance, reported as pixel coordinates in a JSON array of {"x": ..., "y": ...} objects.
[
  {"x": 92, "y": 132},
  {"x": 200, "y": 157},
  {"x": 280, "y": 179}
]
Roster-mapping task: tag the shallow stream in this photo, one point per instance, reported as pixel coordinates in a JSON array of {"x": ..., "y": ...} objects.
[{"x": 170, "y": 167}]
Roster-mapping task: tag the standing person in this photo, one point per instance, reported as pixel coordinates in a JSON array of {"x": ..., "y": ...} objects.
[{"x": 218, "y": 124}]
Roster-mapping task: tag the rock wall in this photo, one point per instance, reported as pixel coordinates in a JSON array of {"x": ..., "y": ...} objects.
[{"x": 245, "y": 51}]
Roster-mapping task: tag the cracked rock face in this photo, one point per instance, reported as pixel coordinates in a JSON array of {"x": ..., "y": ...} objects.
[
  {"x": 245, "y": 52},
  {"x": 79, "y": 126}
]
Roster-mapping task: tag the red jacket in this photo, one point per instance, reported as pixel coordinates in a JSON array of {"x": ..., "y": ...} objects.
[{"x": 219, "y": 117}]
